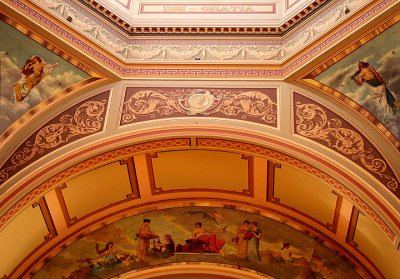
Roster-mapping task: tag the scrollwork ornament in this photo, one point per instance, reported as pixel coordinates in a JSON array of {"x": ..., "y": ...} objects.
[
  {"x": 150, "y": 103},
  {"x": 313, "y": 123},
  {"x": 199, "y": 101},
  {"x": 249, "y": 104},
  {"x": 87, "y": 119},
  {"x": 244, "y": 105}
]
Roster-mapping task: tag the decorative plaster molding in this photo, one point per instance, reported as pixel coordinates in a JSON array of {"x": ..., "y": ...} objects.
[
  {"x": 260, "y": 46},
  {"x": 275, "y": 51},
  {"x": 96, "y": 161},
  {"x": 273, "y": 7}
]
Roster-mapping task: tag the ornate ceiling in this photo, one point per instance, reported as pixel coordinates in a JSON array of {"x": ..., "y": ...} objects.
[{"x": 118, "y": 111}]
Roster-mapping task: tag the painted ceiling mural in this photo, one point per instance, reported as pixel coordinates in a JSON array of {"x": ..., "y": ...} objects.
[
  {"x": 30, "y": 74},
  {"x": 369, "y": 76},
  {"x": 197, "y": 234}
]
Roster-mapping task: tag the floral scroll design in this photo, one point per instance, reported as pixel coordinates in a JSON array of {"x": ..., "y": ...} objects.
[
  {"x": 249, "y": 104},
  {"x": 150, "y": 103},
  {"x": 313, "y": 123},
  {"x": 86, "y": 120},
  {"x": 232, "y": 104}
]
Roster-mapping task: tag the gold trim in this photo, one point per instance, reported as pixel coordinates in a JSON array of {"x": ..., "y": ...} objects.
[{"x": 184, "y": 143}]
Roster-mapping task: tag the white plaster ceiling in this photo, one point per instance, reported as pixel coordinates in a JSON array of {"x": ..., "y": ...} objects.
[{"x": 225, "y": 13}]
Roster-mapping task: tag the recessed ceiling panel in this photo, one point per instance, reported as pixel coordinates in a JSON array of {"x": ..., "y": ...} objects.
[
  {"x": 254, "y": 13},
  {"x": 305, "y": 193},
  {"x": 201, "y": 169},
  {"x": 16, "y": 242},
  {"x": 96, "y": 189},
  {"x": 371, "y": 241}
]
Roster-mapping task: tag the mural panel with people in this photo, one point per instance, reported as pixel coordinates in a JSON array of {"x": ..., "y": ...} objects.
[{"x": 197, "y": 234}]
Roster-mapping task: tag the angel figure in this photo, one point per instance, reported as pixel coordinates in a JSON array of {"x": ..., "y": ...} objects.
[{"x": 34, "y": 70}]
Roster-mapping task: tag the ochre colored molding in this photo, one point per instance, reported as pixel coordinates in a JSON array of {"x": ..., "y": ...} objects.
[
  {"x": 130, "y": 163},
  {"x": 68, "y": 220},
  {"x": 47, "y": 218},
  {"x": 204, "y": 143},
  {"x": 271, "y": 166},
  {"x": 336, "y": 215},
  {"x": 352, "y": 227}
]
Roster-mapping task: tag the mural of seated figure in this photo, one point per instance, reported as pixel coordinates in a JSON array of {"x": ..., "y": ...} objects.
[{"x": 202, "y": 241}]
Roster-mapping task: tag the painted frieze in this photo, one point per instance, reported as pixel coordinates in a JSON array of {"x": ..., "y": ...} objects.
[{"x": 255, "y": 105}]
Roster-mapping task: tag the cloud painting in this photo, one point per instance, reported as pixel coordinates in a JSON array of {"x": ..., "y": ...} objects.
[
  {"x": 36, "y": 71},
  {"x": 383, "y": 55}
]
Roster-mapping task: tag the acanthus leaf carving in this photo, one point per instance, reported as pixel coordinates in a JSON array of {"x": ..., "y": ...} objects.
[
  {"x": 148, "y": 102},
  {"x": 278, "y": 51},
  {"x": 249, "y": 103}
]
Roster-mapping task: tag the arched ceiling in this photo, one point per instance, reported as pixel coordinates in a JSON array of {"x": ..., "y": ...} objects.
[{"x": 153, "y": 107}]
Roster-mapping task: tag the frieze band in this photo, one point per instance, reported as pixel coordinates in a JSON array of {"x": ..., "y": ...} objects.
[{"x": 256, "y": 105}]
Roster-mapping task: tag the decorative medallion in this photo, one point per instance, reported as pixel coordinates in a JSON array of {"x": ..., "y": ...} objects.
[
  {"x": 199, "y": 101},
  {"x": 255, "y": 105}
]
